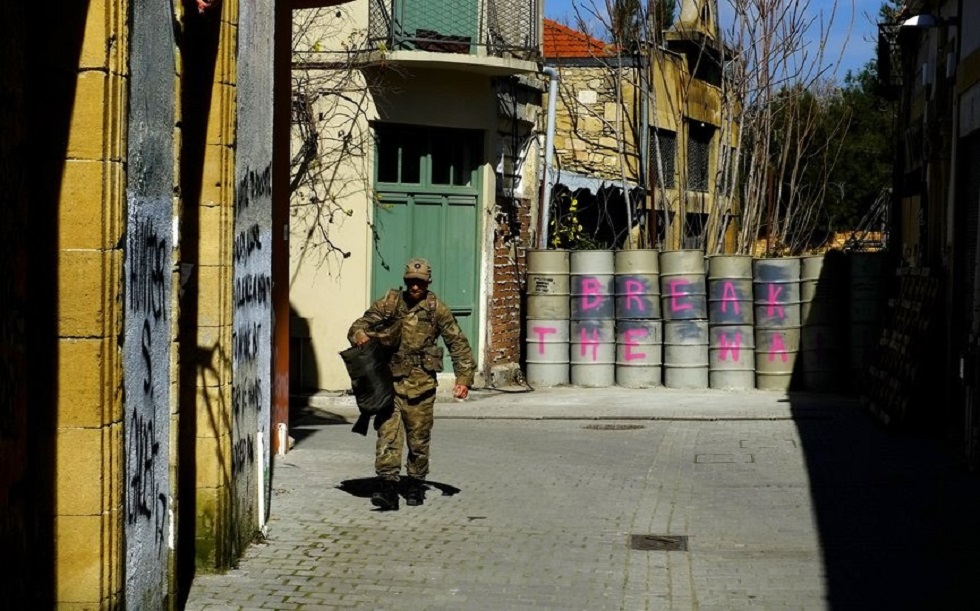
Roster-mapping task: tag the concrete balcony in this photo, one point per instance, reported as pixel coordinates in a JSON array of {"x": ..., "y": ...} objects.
[{"x": 493, "y": 37}]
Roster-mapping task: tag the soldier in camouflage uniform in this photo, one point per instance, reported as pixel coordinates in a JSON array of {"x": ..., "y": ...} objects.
[{"x": 414, "y": 365}]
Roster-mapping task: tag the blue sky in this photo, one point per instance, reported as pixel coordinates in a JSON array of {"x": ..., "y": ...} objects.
[{"x": 854, "y": 30}]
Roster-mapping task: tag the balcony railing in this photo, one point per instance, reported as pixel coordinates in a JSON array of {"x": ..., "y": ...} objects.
[{"x": 497, "y": 28}]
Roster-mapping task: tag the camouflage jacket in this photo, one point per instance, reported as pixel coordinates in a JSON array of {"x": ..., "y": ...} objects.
[{"x": 418, "y": 357}]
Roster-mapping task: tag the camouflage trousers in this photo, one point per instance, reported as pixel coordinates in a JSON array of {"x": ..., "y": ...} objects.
[{"x": 409, "y": 422}]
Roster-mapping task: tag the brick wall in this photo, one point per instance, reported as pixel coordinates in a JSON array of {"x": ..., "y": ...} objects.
[{"x": 511, "y": 240}]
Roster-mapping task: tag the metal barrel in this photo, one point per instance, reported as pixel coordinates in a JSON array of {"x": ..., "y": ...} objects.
[
  {"x": 823, "y": 314},
  {"x": 546, "y": 323},
  {"x": 547, "y": 352},
  {"x": 637, "y": 284},
  {"x": 776, "y": 287},
  {"x": 775, "y": 357},
  {"x": 686, "y": 354},
  {"x": 547, "y": 284},
  {"x": 731, "y": 344},
  {"x": 639, "y": 347},
  {"x": 592, "y": 342},
  {"x": 868, "y": 284},
  {"x": 731, "y": 357},
  {"x": 682, "y": 285},
  {"x": 823, "y": 359},
  {"x": 730, "y": 292}
]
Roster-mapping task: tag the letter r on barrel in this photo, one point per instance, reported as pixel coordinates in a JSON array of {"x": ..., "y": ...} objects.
[{"x": 634, "y": 288}]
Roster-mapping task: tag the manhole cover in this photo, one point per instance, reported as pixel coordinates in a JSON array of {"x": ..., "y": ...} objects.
[
  {"x": 659, "y": 543},
  {"x": 613, "y": 427}
]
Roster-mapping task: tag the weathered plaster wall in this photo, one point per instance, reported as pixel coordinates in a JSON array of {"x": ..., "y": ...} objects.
[
  {"x": 148, "y": 305},
  {"x": 253, "y": 241}
]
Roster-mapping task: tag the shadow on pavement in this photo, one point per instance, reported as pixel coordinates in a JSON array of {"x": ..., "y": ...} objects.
[
  {"x": 895, "y": 508},
  {"x": 896, "y": 516},
  {"x": 304, "y": 421},
  {"x": 366, "y": 486}
]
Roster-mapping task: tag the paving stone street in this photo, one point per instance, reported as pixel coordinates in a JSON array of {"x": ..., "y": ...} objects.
[{"x": 572, "y": 498}]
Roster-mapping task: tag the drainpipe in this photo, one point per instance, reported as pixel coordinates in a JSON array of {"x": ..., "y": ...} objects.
[
  {"x": 549, "y": 147},
  {"x": 644, "y": 173}
]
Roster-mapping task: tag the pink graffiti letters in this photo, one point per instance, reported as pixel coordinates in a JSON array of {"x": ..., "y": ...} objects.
[
  {"x": 630, "y": 337},
  {"x": 541, "y": 332},
  {"x": 773, "y": 303},
  {"x": 587, "y": 342},
  {"x": 591, "y": 293},
  {"x": 728, "y": 293},
  {"x": 730, "y": 347},
  {"x": 633, "y": 289},
  {"x": 675, "y": 294},
  {"x": 776, "y": 345}
]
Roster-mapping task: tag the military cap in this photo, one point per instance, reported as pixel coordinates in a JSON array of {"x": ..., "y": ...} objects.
[{"x": 418, "y": 269}]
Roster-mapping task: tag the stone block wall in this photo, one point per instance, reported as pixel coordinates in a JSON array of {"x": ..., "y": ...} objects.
[
  {"x": 511, "y": 240},
  {"x": 592, "y": 127}
]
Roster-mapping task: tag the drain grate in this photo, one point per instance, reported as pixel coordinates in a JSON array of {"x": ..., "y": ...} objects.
[
  {"x": 613, "y": 427},
  {"x": 659, "y": 543}
]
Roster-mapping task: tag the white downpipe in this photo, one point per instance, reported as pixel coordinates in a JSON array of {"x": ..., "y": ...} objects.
[
  {"x": 260, "y": 467},
  {"x": 549, "y": 147}
]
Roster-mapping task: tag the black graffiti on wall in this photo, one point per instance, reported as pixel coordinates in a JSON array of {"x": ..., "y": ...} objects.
[
  {"x": 247, "y": 342},
  {"x": 246, "y": 396},
  {"x": 253, "y": 289},
  {"x": 146, "y": 361},
  {"x": 144, "y": 448},
  {"x": 149, "y": 262},
  {"x": 254, "y": 185},
  {"x": 247, "y": 242},
  {"x": 242, "y": 455}
]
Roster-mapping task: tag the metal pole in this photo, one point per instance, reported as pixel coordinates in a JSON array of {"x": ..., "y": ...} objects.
[{"x": 549, "y": 148}]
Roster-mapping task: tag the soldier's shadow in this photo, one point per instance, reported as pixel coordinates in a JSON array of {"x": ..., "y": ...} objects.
[{"x": 364, "y": 487}]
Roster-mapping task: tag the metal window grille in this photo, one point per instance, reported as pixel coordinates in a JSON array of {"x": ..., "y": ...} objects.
[
  {"x": 667, "y": 143},
  {"x": 501, "y": 27},
  {"x": 698, "y": 154}
]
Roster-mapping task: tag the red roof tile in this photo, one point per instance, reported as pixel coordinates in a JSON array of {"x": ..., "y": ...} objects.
[{"x": 563, "y": 42}]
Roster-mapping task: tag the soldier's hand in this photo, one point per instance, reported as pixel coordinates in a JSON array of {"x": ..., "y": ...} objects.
[
  {"x": 460, "y": 391},
  {"x": 361, "y": 338}
]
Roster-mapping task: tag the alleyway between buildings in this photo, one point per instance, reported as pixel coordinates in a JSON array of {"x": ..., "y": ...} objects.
[{"x": 571, "y": 498}]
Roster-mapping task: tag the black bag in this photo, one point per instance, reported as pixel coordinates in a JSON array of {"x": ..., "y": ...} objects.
[{"x": 371, "y": 380}]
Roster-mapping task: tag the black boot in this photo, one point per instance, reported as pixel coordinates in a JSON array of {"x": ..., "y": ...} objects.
[
  {"x": 386, "y": 499},
  {"x": 415, "y": 494}
]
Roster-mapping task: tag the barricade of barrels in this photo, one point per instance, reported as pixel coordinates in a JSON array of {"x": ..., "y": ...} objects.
[{"x": 680, "y": 319}]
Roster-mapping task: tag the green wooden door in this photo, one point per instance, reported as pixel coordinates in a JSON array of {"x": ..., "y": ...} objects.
[{"x": 427, "y": 206}]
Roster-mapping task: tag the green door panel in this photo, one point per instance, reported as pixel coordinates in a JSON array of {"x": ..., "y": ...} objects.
[
  {"x": 441, "y": 229},
  {"x": 427, "y": 185},
  {"x": 392, "y": 220}
]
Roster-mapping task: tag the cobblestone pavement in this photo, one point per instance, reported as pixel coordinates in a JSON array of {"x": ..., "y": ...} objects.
[{"x": 552, "y": 499}]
